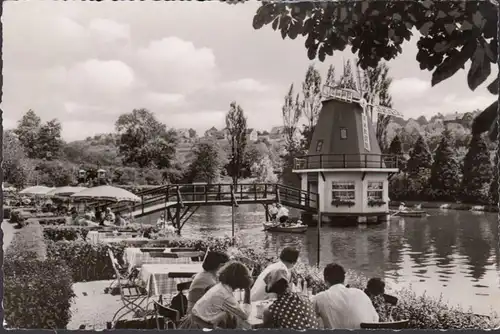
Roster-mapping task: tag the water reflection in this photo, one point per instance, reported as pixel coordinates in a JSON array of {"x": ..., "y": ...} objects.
[{"x": 453, "y": 253}]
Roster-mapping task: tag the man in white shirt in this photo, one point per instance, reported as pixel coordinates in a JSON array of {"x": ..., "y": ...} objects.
[
  {"x": 282, "y": 214},
  {"x": 273, "y": 211},
  {"x": 340, "y": 307},
  {"x": 288, "y": 259}
]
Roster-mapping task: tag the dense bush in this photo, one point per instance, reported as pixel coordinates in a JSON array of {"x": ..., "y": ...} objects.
[
  {"x": 37, "y": 292},
  {"x": 87, "y": 262},
  {"x": 17, "y": 216},
  {"x": 69, "y": 233}
]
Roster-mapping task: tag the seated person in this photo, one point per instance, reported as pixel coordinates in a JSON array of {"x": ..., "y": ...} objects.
[
  {"x": 119, "y": 221},
  {"x": 402, "y": 207},
  {"x": 375, "y": 290},
  {"x": 341, "y": 307},
  {"x": 160, "y": 223},
  {"x": 282, "y": 214},
  {"x": 109, "y": 217},
  {"x": 290, "y": 310},
  {"x": 273, "y": 211},
  {"x": 206, "y": 279},
  {"x": 169, "y": 228},
  {"x": 288, "y": 259},
  {"x": 219, "y": 307}
]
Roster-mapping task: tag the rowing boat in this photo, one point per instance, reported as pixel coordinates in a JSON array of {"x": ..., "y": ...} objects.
[
  {"x": 270, "y": 227},
  {"x": 413, "y": 213}
]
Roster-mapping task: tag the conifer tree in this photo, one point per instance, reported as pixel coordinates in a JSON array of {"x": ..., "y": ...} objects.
[
  {"x": 418, "y": 169},
  {"x": 477, "y": 172},
  {"x": 396, "y": 148},
  {"x": 445, "y": 179}
]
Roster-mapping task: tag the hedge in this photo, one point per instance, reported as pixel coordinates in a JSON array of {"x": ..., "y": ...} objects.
[
  {"x": 58, "y": 233},
  {"x": 91, "y": 262},
  {"x": 37, "y": 292}
]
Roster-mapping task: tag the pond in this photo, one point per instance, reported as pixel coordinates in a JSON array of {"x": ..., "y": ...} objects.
[{"x": 453, "y": 253}]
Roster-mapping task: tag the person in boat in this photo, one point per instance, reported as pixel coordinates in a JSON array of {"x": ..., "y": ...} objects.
[
  {"x": 288, "y": 259},
  {"x": 169, "y": 228},
  {"x": 282, "y": 215},
  {"x": 402, "y": 207},
  {"x": 273, "y": 211}
]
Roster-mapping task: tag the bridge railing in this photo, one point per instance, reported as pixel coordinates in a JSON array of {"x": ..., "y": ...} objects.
[{"x": 298, "y": 197}]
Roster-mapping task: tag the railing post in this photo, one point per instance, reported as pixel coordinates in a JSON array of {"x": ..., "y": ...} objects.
[
  {"x": 142, "y": 203},
  {"x": 255, "y": 191},
  {"x": 366, "y": 160},
  {"x": 381, "y": 160},
  {"x": 265, "y": 190},
  {"x": 343, "y": 159},
  {"x": 206, "y": 194},
  {"x": 321, "y": 161}
]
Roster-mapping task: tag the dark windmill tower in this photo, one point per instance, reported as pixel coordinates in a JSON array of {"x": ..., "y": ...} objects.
[{"x": 344, "y": 164}]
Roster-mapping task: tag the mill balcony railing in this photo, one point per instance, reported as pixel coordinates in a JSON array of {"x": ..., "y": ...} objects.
[{"x": 344, "y": 161}]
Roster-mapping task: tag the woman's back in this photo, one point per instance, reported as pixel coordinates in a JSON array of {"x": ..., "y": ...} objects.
[
  {"x": 202, "y": 282},
  {"x": 293, "y": 311}
]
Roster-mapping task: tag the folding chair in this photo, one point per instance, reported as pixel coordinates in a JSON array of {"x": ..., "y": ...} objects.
[
  {"x": 131, "y": 294},
  {"x": 124, "y": 272},
  {"x": 181, "y": 287},
  {"x": 385, "y": 325},
  {"x": 170, "y": 316}
]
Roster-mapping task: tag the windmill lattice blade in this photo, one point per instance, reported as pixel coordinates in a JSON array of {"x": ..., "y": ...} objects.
[{"x": 387, "y": 111}]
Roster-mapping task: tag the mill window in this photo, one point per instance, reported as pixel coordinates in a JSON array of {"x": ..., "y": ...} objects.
[
  {"x": 343, "y": 133},
  {"x": 319, "y": 145},
  {"x": 375, "y": 191},
  {"x": 343, "y": 190}
]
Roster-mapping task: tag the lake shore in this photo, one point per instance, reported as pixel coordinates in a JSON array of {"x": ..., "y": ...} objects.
[{"x": 446, "y": 206}]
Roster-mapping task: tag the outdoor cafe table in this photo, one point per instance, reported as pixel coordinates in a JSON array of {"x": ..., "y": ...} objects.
[
  {"x": 134, "y": 241},
  {"x": 134, "y": 257},
  {"x": 157, "y": 277}
]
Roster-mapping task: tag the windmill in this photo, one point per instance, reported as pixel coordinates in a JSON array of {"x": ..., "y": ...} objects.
[{"x": 370, "y": 109}]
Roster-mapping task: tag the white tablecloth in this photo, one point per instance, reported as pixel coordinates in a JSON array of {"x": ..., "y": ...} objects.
[{"x": 135, "y": 258}]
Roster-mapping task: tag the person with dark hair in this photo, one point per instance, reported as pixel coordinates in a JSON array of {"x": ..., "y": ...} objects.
[
  {"x": 375, "y": 290},
  {"x": 288, "y": 259},
  {"x": 341, "y": 307},
  {"x": 290, "y": 310},
  {"x": 219, "y": 307},
  {"x": 206, "y": 279}
]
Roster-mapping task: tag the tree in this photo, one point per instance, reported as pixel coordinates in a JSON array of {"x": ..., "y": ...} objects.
[
  {"x": 311, "y": 90},
  {"x": 445, "y": 179},
  {"x": 347, "y": 78},
  {"x": 236, "y": 124},
  {"x": 418, "y": 168},
  {"x": 14, "y": 162},
  {"x": 192, "y": 133},
  {"x": 27, "y": 133},
  {"x": 291, "y": 112},
  {"x": 452, "y": 33},
  {"x": 144, "y": 141},
  {"x": 206, "y": 164},
  {"x": 396, "y": 149},
  {"x": 494, "y": 183},
  {"x": 477, "y": 173},
  {"x": 55, "y": 173},
  {"x": 420, "y": 157},
  {"x": 264, "y": 171},
  {"x": 330, "y": 77},
  {"x": 49, "y": 145}
]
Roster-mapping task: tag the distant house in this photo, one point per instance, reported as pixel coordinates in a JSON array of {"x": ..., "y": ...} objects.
[
  {"x": 464, "y": 119},
  {"x": 252, "y": 135},
  {"x": 183, "y": 134},
  {"x": 278, "y": 132}
]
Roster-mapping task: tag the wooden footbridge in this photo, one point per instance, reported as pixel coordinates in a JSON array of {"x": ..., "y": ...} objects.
[{"x": 181, "y": 201}]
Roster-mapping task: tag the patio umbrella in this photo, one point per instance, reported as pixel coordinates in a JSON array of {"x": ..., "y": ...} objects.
[
  {"x": 36, "y": 190},
  {"x": 108, "y": 193},
  {"x": 65, "y": 191}
]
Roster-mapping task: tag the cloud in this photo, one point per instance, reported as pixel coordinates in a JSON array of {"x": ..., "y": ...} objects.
[
  {"x": 109, "y": 31},
  {"x": 153, "y": 100},
  {"x": 77, "y": 130},
  {"x": 100, "y": 80},
  {"x": 176, "y": 65},
  {"x": 247, "y": 85},
  {"x": 408, "y": 88}
]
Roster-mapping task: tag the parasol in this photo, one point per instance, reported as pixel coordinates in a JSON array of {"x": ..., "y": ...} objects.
[
  {"x": 65, "y": 191},
  {"x": 36, "y": 190},
  {"x": 108, "y": 193}
]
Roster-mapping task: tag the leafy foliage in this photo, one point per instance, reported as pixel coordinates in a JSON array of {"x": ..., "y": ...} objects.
[
  {"x": 494, "y": 183},
  {"x": 264, "y": 171},
  {"x": 396, "y": 149},
  {"x": 14, "y": 164},
  {"x": 445, "y": 179},
  {"x": 477, "y": 172},
  {"x": 207, "y": 162},
  {"x": 27, "y": 132},
  {"x": 236, "y": 125},
  {"x": 144, "y": 141},
  {"x": 420, "y": 157}
]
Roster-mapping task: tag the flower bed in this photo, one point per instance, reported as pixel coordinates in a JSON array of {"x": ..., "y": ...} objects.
[{"x": 37, "y": 292}]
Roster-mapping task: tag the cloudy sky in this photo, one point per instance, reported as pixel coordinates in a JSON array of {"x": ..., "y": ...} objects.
[{"x": 85, "y": 63}]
